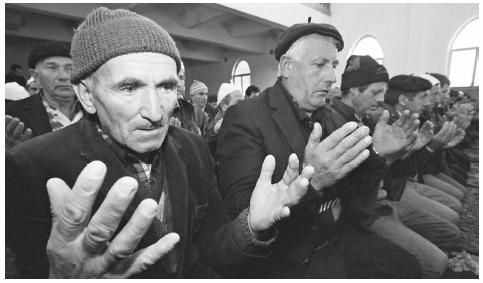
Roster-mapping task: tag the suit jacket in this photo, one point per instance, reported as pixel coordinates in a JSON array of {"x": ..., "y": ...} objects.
[
  {"x": 251, "y": 130},
  {"x": 209, "y": 241},
  {"x": 31, "y": 111}
]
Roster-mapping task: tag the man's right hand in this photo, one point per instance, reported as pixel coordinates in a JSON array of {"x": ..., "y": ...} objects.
[
  {"x": 81, "y": 247},
  {"x": 337, "y": 155},
  {"x": 14, "y": 132},
  {"x": 443, "y": 137}
]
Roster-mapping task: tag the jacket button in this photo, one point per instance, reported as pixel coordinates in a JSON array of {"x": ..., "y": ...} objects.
[{"x": 305, "y": 261}]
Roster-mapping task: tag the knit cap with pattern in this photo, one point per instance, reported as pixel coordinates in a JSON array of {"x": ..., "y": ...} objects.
[
  {"x": 105, "y": 34},
  {"x": 198, "y": 87}
]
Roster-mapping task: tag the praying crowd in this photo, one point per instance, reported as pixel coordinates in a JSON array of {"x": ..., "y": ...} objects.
[{"x": 115, "y": 168}]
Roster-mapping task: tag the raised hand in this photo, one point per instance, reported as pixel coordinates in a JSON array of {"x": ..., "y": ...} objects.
[
  {"x": 271, "y": 203},
  {"x": 337, "y": 155},
  {"x": 14, "y": 132},
  {"x": 173, "y": 121},
  {"x": 80, "y": 247},
  {"x": 443, "y": 137},
  {"x": 390, "y": 141},
  {"x": 459, "y": 136}
]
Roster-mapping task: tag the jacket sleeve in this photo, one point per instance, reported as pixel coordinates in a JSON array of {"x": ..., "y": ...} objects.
[
  {"x": 27, "y": 219},
  {"x": 229, "y": 246}
]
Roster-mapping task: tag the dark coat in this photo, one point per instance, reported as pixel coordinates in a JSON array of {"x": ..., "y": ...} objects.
[
  {"x": 209, "y": 241},
  {"x": 360, "y": 187},
  {"x": 31, "y": 111},
  {"x": 251, "y": 130}
]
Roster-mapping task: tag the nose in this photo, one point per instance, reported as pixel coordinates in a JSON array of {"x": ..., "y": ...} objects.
[
  {"x": 331, "y": 76},
  {"x": 151, "y": 106},
  {"x": 426, "y": 102},
  {"x": 64, "y": 74}
]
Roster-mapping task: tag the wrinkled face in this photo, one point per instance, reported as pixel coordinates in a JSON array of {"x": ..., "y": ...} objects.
[
  {"x": 34, "y": 88},
  {"x": 200, "y": 99},
  {"x": 53, "y": 73},
  {"x": 134, "y": 96},
  {"x": 435, "y": 94},
  {"x": 311, "y": 77},
  {"x": 367, "y": 101},
  {"x": 418, "y": 103}
]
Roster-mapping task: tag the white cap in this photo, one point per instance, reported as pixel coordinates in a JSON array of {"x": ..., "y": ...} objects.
[
  {"x": 224, "y": 90},
  {"x": 14, "y": 91},
  {"x": 29, "y": 81},
  {"x": 434, "y": 81}
]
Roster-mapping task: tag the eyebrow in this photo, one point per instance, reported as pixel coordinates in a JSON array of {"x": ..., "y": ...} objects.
[
  {"x": 168, "y": 82},
  {"x": 129, "y": 81}
]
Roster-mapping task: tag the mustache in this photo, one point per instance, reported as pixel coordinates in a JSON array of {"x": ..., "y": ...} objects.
[{"x": 150, "y": 125}]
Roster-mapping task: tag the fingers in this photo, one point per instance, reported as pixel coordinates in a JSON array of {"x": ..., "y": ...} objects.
[
  {"x": 127, "y": 240},
  {"x": 353, "y": 142},
  {"x": 106, "y": 219},
  {"x": 412, "y": 124},
  {"x": 58, "y": 192},
  {"x": 268, "y": 167},
  {"x": 384, "y": 117},
  {"x": 402, "y": 118},
  {"x": 17, "y": 132},
  {"x": 78, "y": 205},
  {"x": 292, "y": 170},
  {"x": 27, "y": 134},
  {"x": 10, "y": 124},
  {"x": 338, "y": 135},
  {"x": 443, "y": 131},
  {"x": 142, "y": 259},
  {"x": 315, "y": 136},
  {"x": 283, "y": 213},
  {"x": 353, "y": 152},
  {"x": 348, "y": 167}
]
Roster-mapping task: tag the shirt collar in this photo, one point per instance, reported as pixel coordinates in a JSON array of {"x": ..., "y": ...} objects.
[{"x": 300, "y": 114}]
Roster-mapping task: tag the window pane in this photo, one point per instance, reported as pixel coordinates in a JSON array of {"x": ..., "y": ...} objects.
[
  {"x": 469, "y": 36},
  {"x": 238, "y": 82},
  {"x": 369, "y": 46},
  {"x": 461, "y": 68},
  {"x": 242, "y": 68},
  {"x": 246, "y": 82}
]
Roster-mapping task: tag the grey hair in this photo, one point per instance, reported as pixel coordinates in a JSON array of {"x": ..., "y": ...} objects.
[{"x": 298, "y": 48}]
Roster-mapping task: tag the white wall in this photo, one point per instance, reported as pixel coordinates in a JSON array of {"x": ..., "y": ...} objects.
[{"x": 415, "y": 37}]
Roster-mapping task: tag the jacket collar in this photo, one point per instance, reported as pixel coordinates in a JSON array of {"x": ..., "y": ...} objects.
[{"x": 286, "y": 119}]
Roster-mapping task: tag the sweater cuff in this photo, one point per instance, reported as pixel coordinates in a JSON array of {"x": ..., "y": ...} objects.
[{"x": 247, "y": 241}]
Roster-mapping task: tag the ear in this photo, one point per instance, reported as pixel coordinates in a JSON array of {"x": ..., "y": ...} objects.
[
  {"x": 34, "y": 74},
  {"x": 85, "y": 97},
  {"x": 403, "y": 100},
  {"x": 285, "y": 66}
]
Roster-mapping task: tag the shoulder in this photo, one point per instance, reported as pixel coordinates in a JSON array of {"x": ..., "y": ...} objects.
[{"x": 19, "y": 105}]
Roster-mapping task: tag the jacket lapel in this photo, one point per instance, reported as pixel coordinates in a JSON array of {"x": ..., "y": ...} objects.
[{"x": 283, "y": 115}]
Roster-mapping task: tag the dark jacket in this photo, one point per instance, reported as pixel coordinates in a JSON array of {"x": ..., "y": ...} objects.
[
  {"x": 209, "y": 241},
  {"x": 251, "y": 130},
  {"x": 359, "y": 189},
  {"x": 31, "y": 111}
]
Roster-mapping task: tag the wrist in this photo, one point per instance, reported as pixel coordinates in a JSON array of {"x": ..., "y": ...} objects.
[{"x": 259, "y": 235}]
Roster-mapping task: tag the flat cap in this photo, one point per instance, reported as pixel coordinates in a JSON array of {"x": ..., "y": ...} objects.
[
  {"x": 291, "y": 34},
  {"x": 47, "y": 49},
  {"x": 409, "y": 83}
]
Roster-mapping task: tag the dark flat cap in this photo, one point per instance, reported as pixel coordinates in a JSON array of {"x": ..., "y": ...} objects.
[
  {"x": 409, "y": 83},
  {"x": 290, "y": 35},
  {"x": 362, "y": 70},
  {"x": 47, "y": 49}
]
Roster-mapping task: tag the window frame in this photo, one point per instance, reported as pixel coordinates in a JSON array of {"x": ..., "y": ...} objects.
[
  {"x": 241, "y": 76},
  {"x": 451, "y": 50},
  {"x": 354, "y": 47}
]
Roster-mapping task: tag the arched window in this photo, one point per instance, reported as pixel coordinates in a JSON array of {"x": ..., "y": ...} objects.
[
  {"x": 464, "y": 53},
  {"x": 241, "y": 75},
  {"x": 368, "y": 45}
]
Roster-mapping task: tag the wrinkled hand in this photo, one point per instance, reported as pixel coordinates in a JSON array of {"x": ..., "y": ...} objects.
[
  {"x": 271, "y": 203},
  {"x": 424, "y": 136},
  {"x": 443, "y": 137},
  {"x": 338, "y": 154},
  {"x": 14, "y": 132},
  {"x": 459, "y": 136},
  {"x": 391, "y": 141},
  {"x": 79, "y": 248},
  {"x": 173, "y": 121}
]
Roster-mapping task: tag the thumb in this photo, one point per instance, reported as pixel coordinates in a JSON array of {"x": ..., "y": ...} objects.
[
  {"x": 316, "y": 134},
  {"x": 58, "y": 192},
  {"x": 384, "y": 117},
  {"x": 268, "y": 167}
]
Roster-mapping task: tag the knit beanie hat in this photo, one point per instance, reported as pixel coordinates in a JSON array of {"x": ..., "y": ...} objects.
[
  {"x": 45, "y": 50},
  {"x": 362, "y": 70},
  {"x": 105, "y": 34},
  {"x": 198, "y": 87}
]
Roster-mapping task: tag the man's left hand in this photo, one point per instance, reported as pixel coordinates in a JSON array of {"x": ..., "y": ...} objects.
[{"x": 271, "y": 203}]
